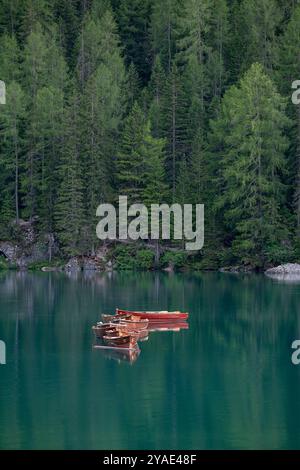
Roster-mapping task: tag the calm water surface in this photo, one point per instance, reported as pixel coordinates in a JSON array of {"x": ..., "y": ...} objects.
[{"x": 225, "y": 383}]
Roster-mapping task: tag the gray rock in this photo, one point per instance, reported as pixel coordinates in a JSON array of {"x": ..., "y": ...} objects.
[
  {"x": 91, "y": 264},
  {"x": 102, "y": 252},
  {"x": 236, "y": 269},
  {"x": 288, "y": 268},
  {"x": 73, "y": 265},
  {"x": 49, "y": 269},
  {"x": 169, "y": 268},
  {"x": 109, "y": 266}
]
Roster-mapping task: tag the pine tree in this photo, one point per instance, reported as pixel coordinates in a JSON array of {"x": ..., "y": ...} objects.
[
  {"x": 98, "y": 43},
  {"x": 10, "y": 16},
  {"x": 154, "y": 189},
  {"x": 45, "y": 78},
  {"x": 35, "y": 12},
  {"x": 34, "y": 65},
  {"x": 288, "y": 71},
  {"x": 134, "y": 23},
  {"x": 67, "y": 17},
  {"x": 260, "y": 20},
  {"x": 101, "y": 113},
  {"x": 157, "y": 88},
  {"x": 133, "y": 86},
  {"x": 104, "y": 81},
  {"x": 252, "y": 140},
  {"x": 11, "y": 123},
  {"x": 69, "y": 213},
  {"x": 164, "y": 30},
  {"x": 175, "y": 124},
  {"x": 218, "y": 40},
  {"x": 48, "y": 134},
  {"x": 130, "y": 160},
  {"x": 141, "y": 161},
  {"x": 9, "y": 58}
]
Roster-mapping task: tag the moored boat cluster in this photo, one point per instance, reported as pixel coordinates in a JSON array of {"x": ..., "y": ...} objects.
[{"x": 123, "y": 331}]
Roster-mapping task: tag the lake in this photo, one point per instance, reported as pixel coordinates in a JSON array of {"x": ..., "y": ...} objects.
[{"x": 227, "y": 382}]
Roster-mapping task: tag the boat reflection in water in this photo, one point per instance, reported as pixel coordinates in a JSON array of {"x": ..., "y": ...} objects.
[
  {"x": 175, "y": 326},
  {"x": 119, "y": 354}
]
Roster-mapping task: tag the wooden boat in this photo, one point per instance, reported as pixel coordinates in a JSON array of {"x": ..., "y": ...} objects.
[
  {"x": 121, "y": 341},
  {"x": 101, "y": 329},
  {"x": 111, "y": 332},
  {"x": 140, "y": 334},
  {"x": 135, "y": 323},
  {"x": 113, "y": 318},
  {"x": 154, "y": 316}
]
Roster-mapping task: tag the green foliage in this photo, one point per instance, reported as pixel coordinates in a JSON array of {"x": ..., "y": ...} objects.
[
  {"x": 130, "y": 160},
  {"x": 144, "y": 259},
  {"x": 68, "y": 210},
  {"x": 134, "y": 22},
  {"x": 129, "y": 258},
  {"x": 124, "y": 257},
  {"x": 176, "y": 259},
  {"x": 3, "y": 264},
  {"x": 163, "y": 100},
  {"x": 252, "y": 164}
]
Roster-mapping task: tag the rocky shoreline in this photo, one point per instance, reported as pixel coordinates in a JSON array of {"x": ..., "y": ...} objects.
[{"x": 43, "y": 254}]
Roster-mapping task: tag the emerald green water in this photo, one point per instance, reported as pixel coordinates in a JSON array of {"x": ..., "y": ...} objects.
[{"x": 226, "y": 383}]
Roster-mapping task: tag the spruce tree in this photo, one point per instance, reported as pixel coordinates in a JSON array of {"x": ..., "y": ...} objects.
[
  {"x": 155, "y": 189},
  {"x": 157, "y": 89},
  {"x": 68, "y": 212},
  {"x": 98, "y": 43},
  {"x": 9, "y": 58},
  {"x": 288, "y": 71},
  {"x": 260, "y": 20},
  {"x": 134, "y": 23},
  {"x": 45, "y": 78},
  {"x": 175, "y": 124},
  {"x": 164, "y": 30},
  {"x": 101, "y": 112},
  {"x": 11, "y": 122},
  {"x": 130, "y": 159}
]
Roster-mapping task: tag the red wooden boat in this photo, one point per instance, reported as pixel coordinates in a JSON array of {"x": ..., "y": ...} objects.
[
  {"x": 101, "y": 328},
  {"x": 140, "y": 334},
  {"x": 113, "y": 318},
  {"x": 135, "y": 323},
  {"x": 154, "y": 316},
  {"x": 120, "y": 341}
]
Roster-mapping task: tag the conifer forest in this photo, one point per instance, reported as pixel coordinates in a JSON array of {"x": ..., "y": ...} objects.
[{"x": 174, "y": 101}]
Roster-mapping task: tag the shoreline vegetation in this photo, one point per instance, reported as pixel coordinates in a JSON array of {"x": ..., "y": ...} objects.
[
  {"x": 33, "y": 253},
  {"x": 185, "y": 101}
]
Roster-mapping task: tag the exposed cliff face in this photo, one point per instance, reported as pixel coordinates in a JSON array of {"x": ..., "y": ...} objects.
[
  {"x": 10, "y": 251},
  {"x": 27, "y": 247},
  {"x": 20, "y": 256}
]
